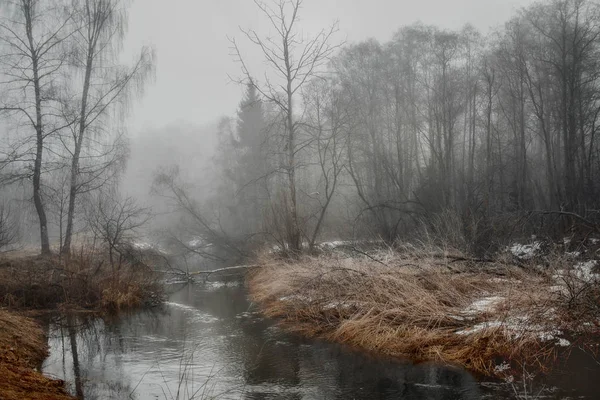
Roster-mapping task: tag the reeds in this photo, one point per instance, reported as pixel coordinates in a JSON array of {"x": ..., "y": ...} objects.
[{"x": 421, "y": 306}]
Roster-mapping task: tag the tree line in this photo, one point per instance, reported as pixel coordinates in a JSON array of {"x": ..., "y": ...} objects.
[{"x": 450, "y": 129}]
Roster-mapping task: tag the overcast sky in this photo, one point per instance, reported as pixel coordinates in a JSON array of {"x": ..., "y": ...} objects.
[{"x": 193, "y": 54}]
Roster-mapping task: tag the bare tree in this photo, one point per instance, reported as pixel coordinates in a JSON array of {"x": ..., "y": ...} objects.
[
  {"x": 168, "y": 184},
  {"x": 104, "y": 86},
  {"x": 8, "y": 229},
  {"x": 293, "y": 61},
  {"x": 324, "y": 125},
  {"x": 115, "y": 222},
  {"x": 33, "y": 58}
]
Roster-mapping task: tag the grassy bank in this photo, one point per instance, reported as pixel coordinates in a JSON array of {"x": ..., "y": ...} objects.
[
  {"x": 23, "y": 347},
  {"x": 87, "y": 280},
  {"x": 493, "y": 318}
]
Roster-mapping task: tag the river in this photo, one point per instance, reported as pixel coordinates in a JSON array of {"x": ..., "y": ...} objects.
[{"x": 209, "y": 341}]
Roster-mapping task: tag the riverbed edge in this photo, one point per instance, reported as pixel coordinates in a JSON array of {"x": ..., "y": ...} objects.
[{"x": 23, "y": 348}]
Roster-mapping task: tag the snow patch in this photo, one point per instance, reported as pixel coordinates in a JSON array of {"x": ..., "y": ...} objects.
[
  {"x": 573, "y": 254},
  {"x": 517, "y": 327},
  {"x": 296, "y": 298},
  {"x": 584, "y": 270},
  {"x": 341, "y": 305},
  {"x": 483, "y": 305},
  {"x": 525, "y": 251}
]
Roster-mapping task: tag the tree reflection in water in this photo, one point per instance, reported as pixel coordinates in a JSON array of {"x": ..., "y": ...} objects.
[{"x": 209, "y": 342}]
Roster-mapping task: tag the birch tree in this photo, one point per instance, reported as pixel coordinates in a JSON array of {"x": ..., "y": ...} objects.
[
  {"x": 104, "y": 89},
  {"x": 32, "y": 61}
]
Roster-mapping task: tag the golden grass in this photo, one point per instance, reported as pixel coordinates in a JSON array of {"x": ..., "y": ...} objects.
[
  {"x": 22, "y": 349},
  {"x": 86, "y": 281},
  {"x": 412, "y": 307}
]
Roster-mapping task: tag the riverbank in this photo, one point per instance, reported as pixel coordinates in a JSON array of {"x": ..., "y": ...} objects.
[
  {"x": 87, "y": 282},
  {"x": 23, "y": 347},
  {"x": 492, "y": 317}
]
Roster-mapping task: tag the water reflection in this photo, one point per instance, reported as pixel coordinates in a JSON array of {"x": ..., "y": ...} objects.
[{"x": 211, "y": 342}]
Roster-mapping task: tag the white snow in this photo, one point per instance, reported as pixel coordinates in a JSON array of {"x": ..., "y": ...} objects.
[
  {"x": 483, "y": 305},
  {"x": 335, "y": 244},
  {"x": 195, "y": 242},
  {"x": 296, "y": 297},
  {"x": 525, "y": 251},
  {"x": 517, "y": 327},
  {"x": 142, "y": 245},
  {"x": 584, "y": 270},
  {"x": 337, "y": 304},
  {"x": 480, "y": 327},
  {"x": 573, "y": 254},
  {"x": 502, "y": 367}
]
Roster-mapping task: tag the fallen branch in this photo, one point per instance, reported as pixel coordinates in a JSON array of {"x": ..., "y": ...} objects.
[
  {"x": 207, "y": 274},
  {"x": 585, "y": 221}
]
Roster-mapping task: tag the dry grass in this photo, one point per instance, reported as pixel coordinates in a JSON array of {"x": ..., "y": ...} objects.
[
  {"x": 418, "y": 306},
  {"x": 22, "y": 349},
  {"x": 86, "y": 281}
]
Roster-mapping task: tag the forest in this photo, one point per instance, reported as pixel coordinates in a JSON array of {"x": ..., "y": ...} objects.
[
  {"x": 474, "y": 138},
  {"x": 470, "y": 137}
]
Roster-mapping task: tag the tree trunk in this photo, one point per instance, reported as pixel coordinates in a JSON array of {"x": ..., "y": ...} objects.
[
  {"x": 37, "y": 168},
  {"x": 76, "y": 154}
]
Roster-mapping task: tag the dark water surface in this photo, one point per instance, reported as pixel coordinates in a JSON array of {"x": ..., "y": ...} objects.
[{"x": 210, "y": 342}]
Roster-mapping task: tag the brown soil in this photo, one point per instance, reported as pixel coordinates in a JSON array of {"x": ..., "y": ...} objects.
[{"x": 22, "y": 349}]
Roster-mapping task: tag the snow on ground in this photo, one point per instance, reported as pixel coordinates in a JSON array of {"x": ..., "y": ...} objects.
[
  {"x": 517, "y": 327},
  {"x": 195, "y": 242},
  {"x": 296, "y": 297},
  {"x": 573, "y": 254},
  {"x": 584, "y": 270},
  {"x": 483, "y": 305},
  {"x": 146, "y": 246},
  {"x": 342, "y": 305},
  {"x": 142, "y": 245},
  {"x": 336, "y": 243},
  {"x": 525, "y": 251}
]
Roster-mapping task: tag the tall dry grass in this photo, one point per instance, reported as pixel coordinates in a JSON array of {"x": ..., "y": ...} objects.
[
  {"x": 417, "y": 305},
  {"x": 86, "y": 280}
]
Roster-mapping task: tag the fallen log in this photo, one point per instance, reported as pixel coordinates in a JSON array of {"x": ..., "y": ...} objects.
[{"x": 206, "y": 274}]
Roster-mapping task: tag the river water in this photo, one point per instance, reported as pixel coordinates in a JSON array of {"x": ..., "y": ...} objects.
[{"x": 210, "y": 342}]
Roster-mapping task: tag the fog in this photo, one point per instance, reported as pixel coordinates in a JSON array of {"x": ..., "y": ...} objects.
[
  {"x": 194, "y": 61},
  {"x": 243, "y": 125}
]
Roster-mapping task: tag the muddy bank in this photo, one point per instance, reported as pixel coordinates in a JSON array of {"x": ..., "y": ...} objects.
[
  {"x": 23, "y": 347},
  {"x": 494, "y": 319}
]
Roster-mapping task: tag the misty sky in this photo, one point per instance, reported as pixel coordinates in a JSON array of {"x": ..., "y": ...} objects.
[{"x": 193, "y": 54}]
